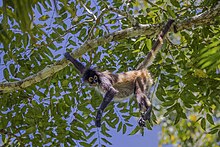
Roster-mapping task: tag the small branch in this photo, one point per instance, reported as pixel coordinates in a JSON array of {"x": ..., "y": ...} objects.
[
  {"x": 96, "y": 23},
  {"x": 90, "y": 12},
  {"x": 143, "y": 29},
  {"x": 122, "y": 13},
  {"x": 125, "y": 14}
]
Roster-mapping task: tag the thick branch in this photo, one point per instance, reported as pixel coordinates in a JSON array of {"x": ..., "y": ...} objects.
[{"x": 146, "y": 29}]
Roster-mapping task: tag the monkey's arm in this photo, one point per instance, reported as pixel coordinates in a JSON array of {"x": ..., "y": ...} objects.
[
  {"x": 107, "y": 99},
  {"x": 79, "y": 66}
]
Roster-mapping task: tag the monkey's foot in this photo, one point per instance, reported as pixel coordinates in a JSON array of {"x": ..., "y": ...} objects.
[
  {"x": 141, "y": 122},
  {"x": 146, "y": 115}
]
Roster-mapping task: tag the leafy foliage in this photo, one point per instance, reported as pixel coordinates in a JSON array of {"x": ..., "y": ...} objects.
[{"x": 60, "y": 110}]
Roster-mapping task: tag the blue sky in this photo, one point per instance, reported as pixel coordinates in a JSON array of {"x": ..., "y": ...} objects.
[{"x": 150, "y": 139}]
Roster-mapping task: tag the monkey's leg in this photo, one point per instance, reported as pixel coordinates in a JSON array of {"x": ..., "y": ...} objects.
[
  {"x": 143, "y": 101},
  {"x": 107, "y": 99}
]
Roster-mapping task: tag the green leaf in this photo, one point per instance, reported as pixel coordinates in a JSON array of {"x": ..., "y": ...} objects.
[
  {"x": 119, "y": 127},
  {"x": 171, "y": 12},
  {"x": 82, "y": 32},
  {"x": 177, "y": 119},
  {"x": 209, "y": 118},
  {"x": 106, "y": 141},
  {"x": 175, "y": 3},
  {"x": 74, "y": 136},
  {"x": 93, "y": 141},
  {"x": 148, "y": 126},
  {"x": 12, "y": 69},
  {"x": 6, "y": 74},
  {"x": 49, "y": 53},
  {"x": 149, "y": 43},
  {"x": 70, "y": 141},
  {"x": 213, "y": 131},
  {"x": 72, "y": 42},
  {"x": 57, "y": 56},
  {"x": 91, "y": 134},
  {"x": 65, "y": 83},
  {"x": 26, "y": 39},
  {"x": 124, "y": 129},
  {"x": 168, "y": 103},
  {"x": 116, "y": 120},
  {"x": 39, "y": 8},
  {"x": 67, "y": 100},
  {"x": 203, "y": 124},
  {"x": 135, "y": 130},
  {"x": 30, "y": 130},
  {"x": 85, "y": 144}
]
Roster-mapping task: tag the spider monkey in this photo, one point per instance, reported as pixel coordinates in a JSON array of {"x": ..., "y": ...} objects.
[{"x": 119, "y": 86}]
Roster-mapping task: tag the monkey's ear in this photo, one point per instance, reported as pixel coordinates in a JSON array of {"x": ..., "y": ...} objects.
[{"x": 79, "y": 66}]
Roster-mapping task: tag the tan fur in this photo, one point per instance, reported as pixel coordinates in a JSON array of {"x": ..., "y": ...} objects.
[{"x": 124, "y": 82}]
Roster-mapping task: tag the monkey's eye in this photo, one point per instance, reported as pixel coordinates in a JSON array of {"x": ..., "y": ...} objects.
[
  {"x": 90, "y": 79},
  {"x": 95, "y": 77}
]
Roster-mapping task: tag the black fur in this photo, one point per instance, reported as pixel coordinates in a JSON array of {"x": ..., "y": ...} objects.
[
  {"x": 76, "y": 63},
  {"x": 91, "y": 73}
]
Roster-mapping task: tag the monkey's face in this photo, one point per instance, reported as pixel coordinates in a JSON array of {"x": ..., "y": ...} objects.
[
  {"x": 93, "y": 80},
  {"x": 91, "y": 77}
]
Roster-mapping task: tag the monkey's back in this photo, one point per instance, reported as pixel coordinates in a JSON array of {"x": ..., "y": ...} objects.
[{"x": 124, "y": 82}]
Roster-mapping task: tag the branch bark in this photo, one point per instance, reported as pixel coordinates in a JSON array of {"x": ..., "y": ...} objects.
[{"x": 143, "y": 29}]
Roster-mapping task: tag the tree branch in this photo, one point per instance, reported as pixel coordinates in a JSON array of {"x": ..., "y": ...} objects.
[
  {"x": 200, "y": 19},
  {"x": 143, "y": 29}
]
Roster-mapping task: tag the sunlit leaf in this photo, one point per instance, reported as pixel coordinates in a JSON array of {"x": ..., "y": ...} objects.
[
  {"x": 175, "y": 3},
  {"x": 203, "y": 124},
  {"x": 209, "y": 118},
  {"x": 135, "y": 131},
  {"x": 6, "y": 74},
  {"x": 44, "y": 17}
]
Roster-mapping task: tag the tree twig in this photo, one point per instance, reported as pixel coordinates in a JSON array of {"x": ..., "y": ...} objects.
[
  {"x": 125, "y": 14},
  {"x": 96, "y": 23},
  {"x": 90, "y": 12}
]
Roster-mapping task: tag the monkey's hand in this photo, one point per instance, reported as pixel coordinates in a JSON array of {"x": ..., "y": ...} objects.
[
  {"x": 98, "y": 118},
  {"x": 107, "y": 99},
  {"x": 141, "y": 122}
]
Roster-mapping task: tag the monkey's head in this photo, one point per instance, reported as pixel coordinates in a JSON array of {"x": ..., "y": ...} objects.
[{"x": 91, "y": 76}]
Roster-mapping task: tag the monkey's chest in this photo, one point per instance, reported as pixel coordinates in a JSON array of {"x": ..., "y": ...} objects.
[{"x": 125, "y": 90}]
